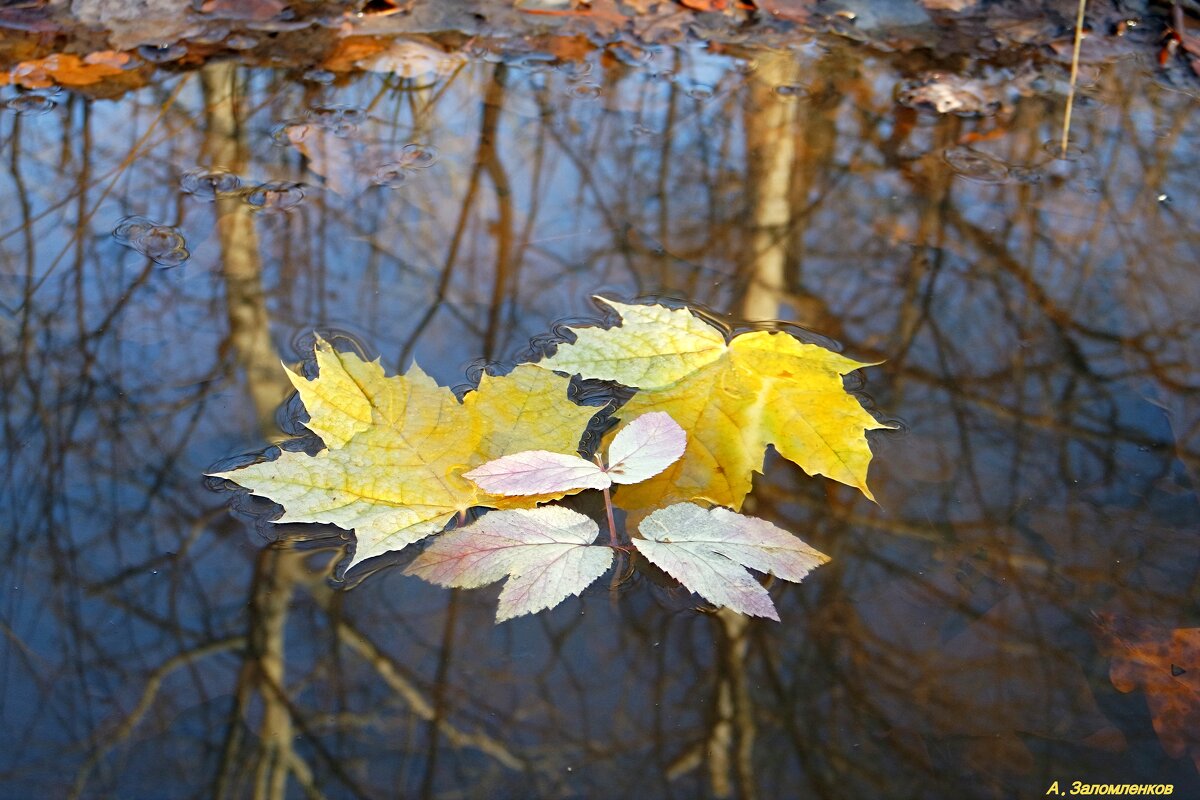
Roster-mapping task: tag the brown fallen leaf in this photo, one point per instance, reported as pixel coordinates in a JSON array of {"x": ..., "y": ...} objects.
[
  {"x": 66, "y": 69},
  {"x": 252, "y": 10},
  {"x": 1165, "y": 664},
  {"x": 351, "y": 50},
  {"x": 948, "y": 5},
  {"x": 791, "y": 10}
]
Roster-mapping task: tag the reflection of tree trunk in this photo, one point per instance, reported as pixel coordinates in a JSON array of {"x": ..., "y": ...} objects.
[
  {"x": 272, "y": 595},
  {"x": 241, "y": 266},
  {"x": 789, "y": 150},
  {"x": 278, "y": 572},
  {"x": 731, "y": 743},
  {"x": 770, "y": 167},
  {"x": 770, "y": 156}
]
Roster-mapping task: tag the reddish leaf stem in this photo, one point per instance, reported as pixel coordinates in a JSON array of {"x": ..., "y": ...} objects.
[{"x": 612, "y": 524}]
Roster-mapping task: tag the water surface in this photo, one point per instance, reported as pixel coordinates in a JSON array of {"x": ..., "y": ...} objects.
[{"x": 1036, "y": 515}]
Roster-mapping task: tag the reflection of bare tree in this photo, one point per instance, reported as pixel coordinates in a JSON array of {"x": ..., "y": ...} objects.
[
  {"x": 241, "y": 265},
  {"x": 1034, "y": 332},
  {"x": 770, "y": 161}
]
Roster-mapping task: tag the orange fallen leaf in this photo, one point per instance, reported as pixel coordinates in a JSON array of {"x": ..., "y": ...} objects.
[
  {"x": 66, "y": 69},
  {"x": 352, "y": 49},
  {"x": 1165, "y": 664}
]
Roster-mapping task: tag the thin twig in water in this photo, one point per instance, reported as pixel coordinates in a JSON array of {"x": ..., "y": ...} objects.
[{"x": 1074, "y": 76}]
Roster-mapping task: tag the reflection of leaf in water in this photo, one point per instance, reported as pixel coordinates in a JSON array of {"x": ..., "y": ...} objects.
[
  {"x": 397, "y": 447},
  {"x": 732, "y": 400},
  {"x": 1165, "y": 664},
  {"x": 412, "y": 58}
]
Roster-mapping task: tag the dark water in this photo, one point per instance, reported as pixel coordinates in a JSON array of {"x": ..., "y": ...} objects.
[{"x": 1037, "y": 514}]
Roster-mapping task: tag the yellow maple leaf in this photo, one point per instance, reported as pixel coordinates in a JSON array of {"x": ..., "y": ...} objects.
[
  {"x": 396, "y": 447},
  {"x": 733, "y": 399}
]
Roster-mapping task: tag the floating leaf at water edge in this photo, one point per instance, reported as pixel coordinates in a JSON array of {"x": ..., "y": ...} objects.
[
  {"x": 654, "y": 347},
  {"x": 732, "y": 400},
  {"x": 546, "y": 553},
  {"x": 702, "y": 549},
  {"x": 397, "y": 447},
  {"x": 645, "y": 447}
]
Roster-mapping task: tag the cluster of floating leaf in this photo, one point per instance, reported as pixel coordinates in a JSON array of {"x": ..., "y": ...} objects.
[{"x": 404, "y": 457}]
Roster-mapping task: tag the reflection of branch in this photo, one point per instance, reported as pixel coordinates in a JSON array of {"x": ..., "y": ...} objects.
[
  {"x": 131, "y": 156},
  {"x": 728, "y": 746},
  {"x": 493, "y": 101},
  {"x": 153, "y": 684},
  {"x": 383, "y": 664}
]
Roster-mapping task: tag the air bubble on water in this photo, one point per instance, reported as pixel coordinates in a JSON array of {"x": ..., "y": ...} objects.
[
  {"x": 161, "y": 54},
  {"x": 576, "y": 70},
  {"x": 162, "y": 244},
  {"x": 643, "y": 130},
  {"x": 171, "y": 258},
  {"x": 288, "y": 132},
  {"x": 390, "y": 175},
  {"x": 158, "y": 241},
  {"x": 701, "y": 92},
  {"x": 131, "y": 227},
  {"x": 276, "y": 196},
  {"x": 1163, "y": 198},
  {"x": 31, "y": 104},
  {"x": 791, "y": 91},
  {"x": 322, "y": 76},
  {"x": 585, "y": 91},
  {"x": 208, "y": 184},
  {"x": 1028, "y": 175},
  {"x": 1054, "y": 148},
  {"x": 214, "y": 35},
  {"x": 976, "y": 166},
  {"x": 241, "y": 41},
  {"x": 342, "y": 121},
  {"x": 418, "y": 156}
]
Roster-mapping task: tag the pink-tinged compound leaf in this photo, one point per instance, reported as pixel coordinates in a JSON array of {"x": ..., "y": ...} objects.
[
  {"x": 702, "y": 549},
  {"x": 645, "y": 447},
  {"x": 546, "y": 553},
  {"x": 537, "y": 472}
]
